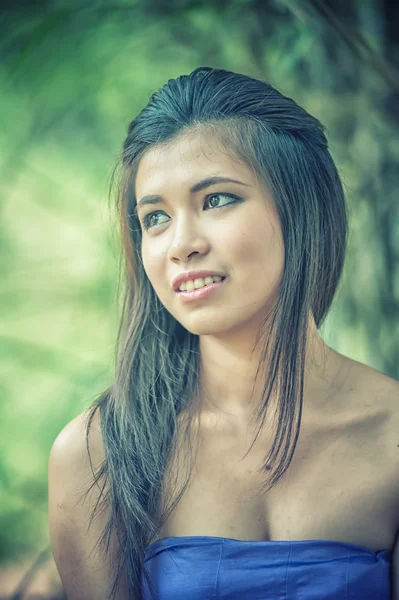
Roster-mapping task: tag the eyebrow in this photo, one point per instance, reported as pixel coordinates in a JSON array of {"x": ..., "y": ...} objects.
[{"x": 197, "y": 187}]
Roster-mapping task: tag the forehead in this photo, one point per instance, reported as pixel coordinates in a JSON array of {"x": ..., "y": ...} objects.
[{"x": 186, "y": 160}]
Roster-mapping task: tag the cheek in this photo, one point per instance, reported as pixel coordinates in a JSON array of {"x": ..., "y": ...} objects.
[
  {"x": 149, "y": 263},
  {"x": 154, "y": 265},
  {"x": 259, "y": 238},
  {"x": 260, "y": 253}
]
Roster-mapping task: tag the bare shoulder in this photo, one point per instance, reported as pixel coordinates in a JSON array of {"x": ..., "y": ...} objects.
[
  {"x": 73, "y": 494},
  {"x": 370, "y": 385},
  {"x": 376, "y": 395},
  {"x": 74, "y": 458},
  {"x": 384, "y": 392},
  {"x": 381, "y": 389},
  {"x": 72, "y": 445}
]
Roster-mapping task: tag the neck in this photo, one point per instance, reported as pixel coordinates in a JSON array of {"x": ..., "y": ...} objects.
[{"x": 228, "y": 370}]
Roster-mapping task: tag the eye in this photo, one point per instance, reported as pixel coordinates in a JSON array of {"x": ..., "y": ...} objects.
[
  {"x": 229, "y": 196},
  {"x": 148, "y": 223}
]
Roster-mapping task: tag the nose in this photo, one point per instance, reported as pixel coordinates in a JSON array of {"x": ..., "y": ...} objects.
[{"x": 187, "y": 240}]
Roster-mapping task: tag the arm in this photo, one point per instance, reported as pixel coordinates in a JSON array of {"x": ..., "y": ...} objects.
[{"x": 84, "y": 573}]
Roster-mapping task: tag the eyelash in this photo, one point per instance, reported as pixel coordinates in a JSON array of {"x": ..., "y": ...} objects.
[{"x": 235, "y": 199}]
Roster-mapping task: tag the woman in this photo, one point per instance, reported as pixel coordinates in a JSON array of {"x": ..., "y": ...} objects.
[{"x": 236, "y": 454}]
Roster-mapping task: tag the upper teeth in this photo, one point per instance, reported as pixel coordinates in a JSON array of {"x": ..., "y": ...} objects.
[{"x": 192, "y": 284}]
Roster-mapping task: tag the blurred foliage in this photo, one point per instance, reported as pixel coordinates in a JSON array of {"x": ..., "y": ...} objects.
[{"x": 72, "y": 76}]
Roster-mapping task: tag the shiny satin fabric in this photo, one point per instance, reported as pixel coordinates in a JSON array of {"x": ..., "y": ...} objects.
[{"x": 207, "y": 567}]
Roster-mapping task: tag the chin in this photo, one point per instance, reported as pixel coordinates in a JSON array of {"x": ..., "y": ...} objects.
[{"x": 207, "y": 326}]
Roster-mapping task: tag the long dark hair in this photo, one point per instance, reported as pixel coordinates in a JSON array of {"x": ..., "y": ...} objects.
[{"x": 156, "y": 386}]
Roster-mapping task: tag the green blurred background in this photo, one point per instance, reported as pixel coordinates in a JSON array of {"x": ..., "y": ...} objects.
[{"x": 72, "y": 76}]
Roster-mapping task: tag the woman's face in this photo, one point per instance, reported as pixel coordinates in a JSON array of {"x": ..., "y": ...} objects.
[{"x": 226, "y": 227}]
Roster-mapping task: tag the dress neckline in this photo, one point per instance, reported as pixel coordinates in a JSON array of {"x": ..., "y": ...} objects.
[{"x": 202, "y": 539}]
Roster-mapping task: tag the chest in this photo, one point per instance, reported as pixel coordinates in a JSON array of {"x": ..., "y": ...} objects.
[{"x": 342, "y": 484}]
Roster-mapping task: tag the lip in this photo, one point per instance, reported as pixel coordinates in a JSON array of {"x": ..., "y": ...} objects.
[
  {"x": 200, "y": 293},
  {"x": 193, "y": 275}
]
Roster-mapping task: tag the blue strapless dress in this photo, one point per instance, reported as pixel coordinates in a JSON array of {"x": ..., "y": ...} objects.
[{"x": 205, "y": 567}]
